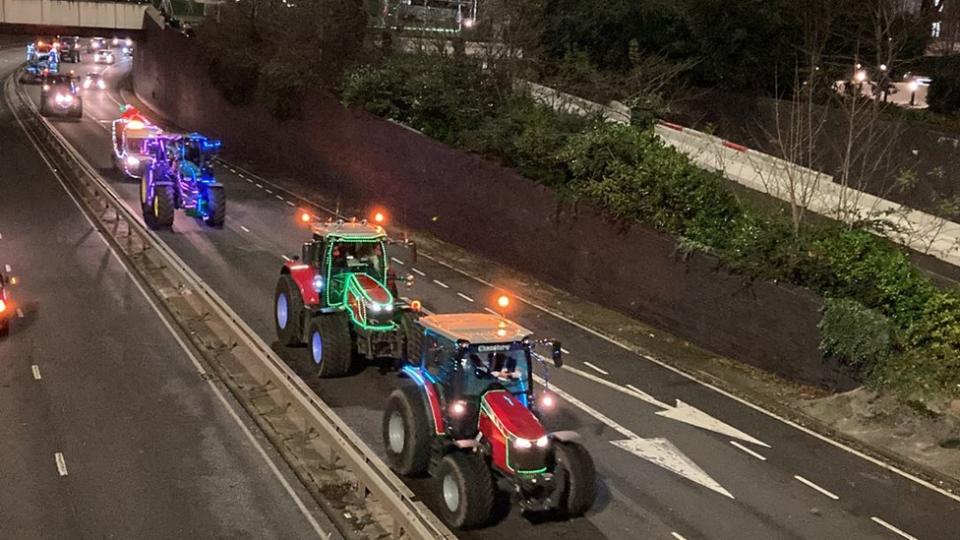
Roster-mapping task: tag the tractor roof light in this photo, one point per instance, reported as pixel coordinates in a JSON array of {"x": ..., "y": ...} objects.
[
  {"x": 305, "y": 217},
  {"x": 503, "y": 301}
]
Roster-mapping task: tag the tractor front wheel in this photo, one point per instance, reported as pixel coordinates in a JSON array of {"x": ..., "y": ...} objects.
[
  {"x": 331, "y": 344},
  {"x": 466, "y": 490},
  {"x": 579, "y": 478},
  {"x": 216, "y": 211},
  {"x": 289, "y": 309},
  {"x": 406, "y": 431},
  {"x": 159, "y": 214}
]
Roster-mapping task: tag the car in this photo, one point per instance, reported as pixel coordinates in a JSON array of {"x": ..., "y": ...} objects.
[
  {"x": 104, "y": 56},
  {"x": 94, "y": 81},
  {"x": 96, "y": 44},
  {"x": 6, "y": 306},
  {"x": 466, "y": 412},
  {"x": 127, "y": 50},
  {"x": 60, "y": 96},
  {"x": 69, "y": 47},
  {"x": 340, "y": 298}
]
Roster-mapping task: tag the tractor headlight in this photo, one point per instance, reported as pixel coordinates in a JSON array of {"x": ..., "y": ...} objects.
[
  {"x": 318, "y": 283},
  {"x": 522, "y": 444},
  {"x": 133, "y": 161},
  {"x": 542, "y": 442},
  {"x": 63, "y": 99},
  {"x": 101, "y": 84},
  {"x": 46, "y": 87},
  {"x": 375, "y": 307}
]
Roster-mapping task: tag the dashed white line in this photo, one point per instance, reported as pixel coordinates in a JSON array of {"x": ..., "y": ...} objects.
[
  {"x": 244, "y": 229},
  {"x": 747, "y": 450},
  {"x": 36, "y": 372},
  {"x": 490, "y": 311},
  {"x": 442, "y": 284},
  {"x": 279, "y": 198},
  {"x": 564, "y": 351},
  {"x": 20, "y": 313},
  {"x": 816, "y": 487},
  {"x": 416, "y": 271},
  {"x": 248, "y": 180},
  {"x": 241, "y": 175},
  {"x": 234, "y": 171},
  {"x": 677, "y": 536},
  {"x": 288, "y": 259},
  {"x": 398, "y": 261},
  {"x": 61, "y": 463},
  {"x": 597, "y": 369},
  {"x": 291, "y": 204},
  {"x": 259, "y": 186},
  {"x": 268, "y": 191},
  {"x": 465, "y": 297},
  {"x": 891, "y": 528},
  {"x": 8, "y": 268}
]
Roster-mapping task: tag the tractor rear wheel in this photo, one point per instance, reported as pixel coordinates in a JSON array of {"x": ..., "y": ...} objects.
[
  {"x": 407, "y": 431},
  {"x": 159, "y": 215},
  {"x": 331, "y": 344},
  {"x": 216, "y": 206},
  {"x": 466, "y": 490},
  {"x": 412, "y": 338},
  {"x": 289, "y": 309},
  {"x": 579, "y": 478}
]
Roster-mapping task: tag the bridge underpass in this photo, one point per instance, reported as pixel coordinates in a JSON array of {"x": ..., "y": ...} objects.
[{"x": 71, "y": 17}]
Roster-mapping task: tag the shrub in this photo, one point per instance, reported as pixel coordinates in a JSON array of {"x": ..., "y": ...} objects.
[
  {"x": 861, "y": 338},
  {"x": 944, "y": 93}
]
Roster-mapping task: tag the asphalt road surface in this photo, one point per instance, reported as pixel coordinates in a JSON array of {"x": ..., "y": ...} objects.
[
  {"x": 107, "y": 428},
  {"x": 706, "y": 466}
]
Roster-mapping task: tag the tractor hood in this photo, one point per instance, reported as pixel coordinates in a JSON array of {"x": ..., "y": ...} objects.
[
  {"x": 510, "y": 415},
  {"x": 371, "y": 304}
]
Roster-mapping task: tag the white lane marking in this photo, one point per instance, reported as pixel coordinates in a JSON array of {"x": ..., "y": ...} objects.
[
  {"x": 597, "y": 369},
  {"x": 658, "y": 451},
  {"x": 891, "y": 528},
  {"x": 747, "y": 450},
  {"x": 234, "y": 171},
  {"x": 645, "y": 397},
  {"x": 20, "y": 313},
  {"x": 677, "y": 536},
  {"x": 1, "y": 236},
  {"x": 416, "y": 271},
  {"x": 288, "y": 259},
  {"x": 244, "y": 229},
  {"x": 442, "y": 284},
  {"x": 36, "y": 372},
  {"x": 564, "y": 351},
  {"x": 637, "y": 351},
  {"x": 465, "y": 297},
  {"x": 61, "y": 463},
  {"x": 268, "y": 191},
  {"x": 256, "y": 444},
  {"x": 279, "y": 198},
  {"x": 259, "y": 186},
  {"x": 7, "y": 266},
  {"x": 810, "y": 484},
  {"x": 398, "y": 261},
  {"x": 249, "y": 181},
  {"x": 490, "y": 311},
  {"x": 291, "y": 204}
]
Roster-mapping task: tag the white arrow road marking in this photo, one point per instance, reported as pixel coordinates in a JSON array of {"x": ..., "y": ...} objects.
[
  {"x": 689, "y": 414},
  {"x": 658, "y": 451}
]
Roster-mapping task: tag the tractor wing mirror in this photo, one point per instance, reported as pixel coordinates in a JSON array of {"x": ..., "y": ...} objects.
[{"x": 557, "y": 354}]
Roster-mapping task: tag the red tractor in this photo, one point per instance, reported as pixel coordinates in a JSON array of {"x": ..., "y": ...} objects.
[
  {"x": 6, "y": 306},
  {"x": 471, "y": 419},
  {"x": 340, "y": 298}
]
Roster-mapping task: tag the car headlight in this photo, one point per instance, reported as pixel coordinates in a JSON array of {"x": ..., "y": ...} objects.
[
  {"x": 318, "y": 283},
  {"x": 63, "y": 98},
  {"x": 133, "y": 161},
  {"x": 46, "y": 87}
]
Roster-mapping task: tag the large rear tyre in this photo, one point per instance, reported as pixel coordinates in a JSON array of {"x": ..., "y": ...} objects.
[
  {"x": 216, "y": 211},
  {"x": 406, "y": 431},
  {"x": 159, "y": 214},
  {"x": 331, "y": 344},
  {"x": 466, "y": 490},
  {"x": 288, "y": 310},
  {"x": 579, "y": 478},
  {"x": 412, "y": 338}
]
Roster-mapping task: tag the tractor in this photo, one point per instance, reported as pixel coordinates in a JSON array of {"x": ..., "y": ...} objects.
[
  {"x": 178, "y": 174},
  {"x": 69, "y": 47},
  {"x": 42, "y": 59},
  {"x": 468, "y": 415},
  {"x": 134, "y": 139},
  {"x": 6, "y": 306},
  {"x": 340, "y": 298}
]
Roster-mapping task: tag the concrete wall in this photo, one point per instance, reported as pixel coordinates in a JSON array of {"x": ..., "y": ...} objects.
[
  {"x": 492, "y": 211},
  {"x": 59, "y": 13}
]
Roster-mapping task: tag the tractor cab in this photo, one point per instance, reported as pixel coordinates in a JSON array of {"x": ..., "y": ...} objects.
[{"x": 196, "y": 154}]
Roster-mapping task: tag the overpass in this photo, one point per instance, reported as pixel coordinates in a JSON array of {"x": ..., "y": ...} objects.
[{"x": 71, "y": 16}]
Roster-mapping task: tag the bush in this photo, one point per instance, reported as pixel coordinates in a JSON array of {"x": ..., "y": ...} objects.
[
  {"x": 943, "y": 96},
  {"x": 861, "y": 338}
]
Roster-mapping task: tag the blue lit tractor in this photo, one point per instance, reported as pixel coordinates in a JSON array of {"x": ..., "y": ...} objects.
[
  {"x": 42, "y": 59},
  {"x": 178, "y": 174}
]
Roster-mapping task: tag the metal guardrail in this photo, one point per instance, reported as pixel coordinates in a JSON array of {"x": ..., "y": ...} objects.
[{"x": 306, "y": 431}]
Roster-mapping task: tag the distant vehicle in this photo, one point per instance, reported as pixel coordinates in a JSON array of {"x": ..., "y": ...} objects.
[
  {"x": 60, "y": 96},
  {"x": 69, "y": 47},
  {"x": 118, "y": 41},
  {"x": 96, "y": 44},
  {"x": 6, "y": 308},
  {"x": 127, "y": 50},
  {"x": 104, "y": 57},
  {"x": 94, "y": 81},
  {"x": 42, "y": 59}
]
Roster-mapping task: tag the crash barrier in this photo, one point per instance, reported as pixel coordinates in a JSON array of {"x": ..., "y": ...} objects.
[
  {"x": 360, "y": 159},
  {"x": 787, "y": 181},
  {"x": 321, "y": 449},
  {"x": 120, "y": 15}
]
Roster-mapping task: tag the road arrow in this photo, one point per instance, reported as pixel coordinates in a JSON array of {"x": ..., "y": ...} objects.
[{"x": 660, "y": 452}]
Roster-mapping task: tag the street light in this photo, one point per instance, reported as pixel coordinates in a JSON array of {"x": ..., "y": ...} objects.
[{"x": 860, "y": 76}]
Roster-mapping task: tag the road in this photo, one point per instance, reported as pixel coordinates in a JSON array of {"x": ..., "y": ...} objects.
[
  {"x": 107, "y": 426},
  {"x": 724, "y": 469}
]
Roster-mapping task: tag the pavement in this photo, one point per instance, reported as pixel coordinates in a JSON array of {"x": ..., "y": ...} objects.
[
  {"x": 677, "y": 458},
  {"x": 107, "y": 428}
]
